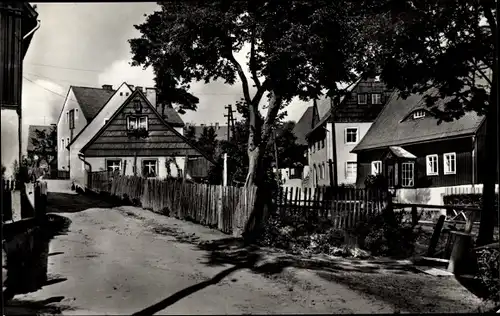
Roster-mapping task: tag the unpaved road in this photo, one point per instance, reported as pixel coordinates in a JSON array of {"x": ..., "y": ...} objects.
[{"x": 116, "y": 261}]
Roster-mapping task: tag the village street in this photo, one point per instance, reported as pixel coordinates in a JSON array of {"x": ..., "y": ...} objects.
[{"x": 124, "y": 260}]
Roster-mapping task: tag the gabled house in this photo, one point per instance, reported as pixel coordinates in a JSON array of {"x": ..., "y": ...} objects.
[
  {"x": 420, "y": 157},
  {"x": 80, "y": 107},
  {"x": 133, "y": 137},
  {"x": 331, "y": 140}
]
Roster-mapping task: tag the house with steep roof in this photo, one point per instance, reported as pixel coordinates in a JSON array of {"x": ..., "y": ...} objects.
[
  {"x": 331, "y": 139},
  {"x": 421, "y": 157},
  {"x": 133, "y": 134}
]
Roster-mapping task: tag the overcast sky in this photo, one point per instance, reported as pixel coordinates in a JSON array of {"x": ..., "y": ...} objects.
[{"x": 86, "y": 44}]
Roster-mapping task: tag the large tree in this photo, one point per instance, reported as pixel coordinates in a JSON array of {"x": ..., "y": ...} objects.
[
  {"x": 446, "y": 51},
  {"x": 297, "y": 48},
  {"x": 44, "y": 146}
]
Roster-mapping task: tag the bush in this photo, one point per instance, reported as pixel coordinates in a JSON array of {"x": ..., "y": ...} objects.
[
  {"x": 297, "y": 234},
  {"x": 488, "y": 264},
  {"x": 470, "y": 200},
  {"x": 379, "y": 237}
]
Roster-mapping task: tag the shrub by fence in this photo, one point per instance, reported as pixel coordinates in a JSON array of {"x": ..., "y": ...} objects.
[
  {"x": 224, "y": 208},
  {"x": 343, "y": 207}
]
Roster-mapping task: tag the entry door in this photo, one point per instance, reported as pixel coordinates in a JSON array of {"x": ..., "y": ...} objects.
[{"x": 392, "y": 173}]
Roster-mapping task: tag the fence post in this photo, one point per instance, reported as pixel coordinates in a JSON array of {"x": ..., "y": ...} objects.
[{"x": 435, "y": 236}]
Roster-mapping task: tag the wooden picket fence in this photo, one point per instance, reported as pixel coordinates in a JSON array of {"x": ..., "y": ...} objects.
[
  {"x": 343, "y": 207},
  {"x": 224, "y": 208}
]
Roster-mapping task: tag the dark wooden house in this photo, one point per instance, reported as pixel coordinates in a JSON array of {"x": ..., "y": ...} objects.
[
  {"x": 137, "y": 140},
  {"x": 18, "y": 20},
  {"x": 420, "y": 156}
]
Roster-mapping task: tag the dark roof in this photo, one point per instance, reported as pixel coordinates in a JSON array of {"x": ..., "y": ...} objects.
[
  {"x": 172, "y": 117},
  {"x": 350, "y": 111},
  {"x": 220, "y": 130},
  {"x": 163, "y": 120},
  {"x": 91, "y": 100},
  {"x": 303, "y": 126},
  {"x": 32, "y": 133},
  {"x": 390, "y": 128}
]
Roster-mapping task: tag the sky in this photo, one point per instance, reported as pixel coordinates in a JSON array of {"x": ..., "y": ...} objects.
[{"x": 85, "y": 44}]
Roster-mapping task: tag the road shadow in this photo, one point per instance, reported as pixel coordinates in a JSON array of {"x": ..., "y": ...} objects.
[
  {"x": 58, "y": 202},
  {"x": 234, "y": 251},
  {"x": 26, "y": 244},
  {"x": 50, "y": 306}
]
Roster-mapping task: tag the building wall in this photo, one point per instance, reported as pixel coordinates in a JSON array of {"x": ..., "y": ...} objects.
[
  {"x": 76, "y": 172},
  {"x": 318, "y": 155},
  {"x": 63, "y": 131},
  {"x": 343, "y": 150},
  {"x": 99, "y": 164},
  {"x": 434, "y": 195},
  {"x": 464, "y": 163},
  {"x": 10, "y": 139}
]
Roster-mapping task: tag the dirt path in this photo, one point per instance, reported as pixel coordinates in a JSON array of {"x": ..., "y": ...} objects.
[
  {"x": 114, "y": 263},
  {"x": 125, "y": 260}
]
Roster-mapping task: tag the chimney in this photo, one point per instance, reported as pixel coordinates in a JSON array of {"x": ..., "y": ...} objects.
[
  {"x": 202, "y": 125},
  {"x": 138, "y": 88},
  {"x": 151, "y": 96},
  {"x": 107, "y": 87},
  {"x": 131, "y": 86},
  {"x": 217, "y": 126}
]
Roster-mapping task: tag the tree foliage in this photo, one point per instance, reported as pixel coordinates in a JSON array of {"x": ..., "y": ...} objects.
[
  {"x": 297, "y": 49},
  {"x": 444, "y": 50},
  {"x": 44, "y": 146}
]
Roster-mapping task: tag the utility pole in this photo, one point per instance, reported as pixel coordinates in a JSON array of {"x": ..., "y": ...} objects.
[{"x": 230, "y": 121}]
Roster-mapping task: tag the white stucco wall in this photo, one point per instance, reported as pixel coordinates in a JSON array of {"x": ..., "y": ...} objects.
[
  {"x": 76, "y": 172},
  {"x": 434, "y": 196},
  {"x": 63, "y": 131},
  {"x": 343, "y": 150},
  {"x": 10, "y": 140},
  {"x": 99, "y": 164}
]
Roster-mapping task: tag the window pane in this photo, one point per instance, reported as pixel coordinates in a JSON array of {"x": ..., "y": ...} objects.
[
  {"x": 149, "y": 168},
  {"x": 132, "y": 123},
  {"x": 143, "y": 122}
]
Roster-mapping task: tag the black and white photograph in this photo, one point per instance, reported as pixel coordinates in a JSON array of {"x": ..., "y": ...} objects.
[{"x": 239, "y": 157}]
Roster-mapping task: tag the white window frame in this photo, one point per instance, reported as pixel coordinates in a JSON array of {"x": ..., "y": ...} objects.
[
  {"x": 137, "y": 120},
  {"x": 355, "y": 164},
  {"x": 143, "y": 162},
  {"x": 67, "y": 117},
  {"x": 418, "y": 114},
  {"x": 119, "y": 167},
  {"x": 376, "y": 165},
  {"x": 365, "y": 100},
  {"x": 62, "y": 142},
  {"x": 434, "y": 159},
  {"x": 374, "y": 98},
  {"x": 404, "y": 179},
  {"x": 345, "y": 135},
  {"x": 447, "y": 169},
  {"x": 76, "y": 114}
]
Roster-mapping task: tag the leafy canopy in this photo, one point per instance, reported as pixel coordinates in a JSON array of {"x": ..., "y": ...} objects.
[
  {"x": 297, "y": 48},
  {"x": 444, "y": 49}
]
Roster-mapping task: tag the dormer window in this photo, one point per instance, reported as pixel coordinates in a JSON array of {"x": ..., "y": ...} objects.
[
  {"x": 418, "y": 114},
  {"x": 137, "y": 122}
]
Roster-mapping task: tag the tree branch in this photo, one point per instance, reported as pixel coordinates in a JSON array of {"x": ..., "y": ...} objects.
[
  {"x": 253, "y": 65},
  {"x": 272, "y": 112},
  {"x": 491, "y": 20},
  {"x": 480, "y": 71},
  {"x": 241, "y": 74}
]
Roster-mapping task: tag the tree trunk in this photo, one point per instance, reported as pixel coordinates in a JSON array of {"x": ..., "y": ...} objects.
[
  {"x": 487, "y": 224},
  {"x": 260, "y": 132}
]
